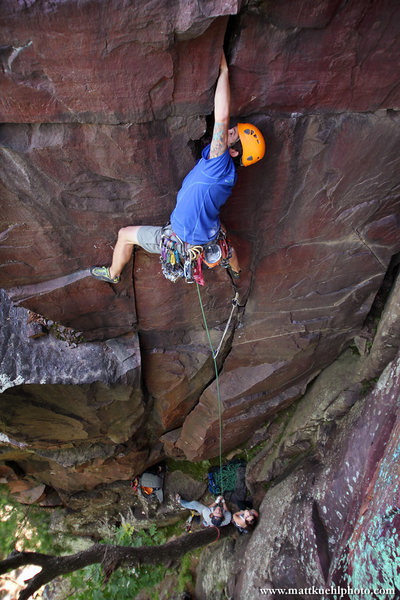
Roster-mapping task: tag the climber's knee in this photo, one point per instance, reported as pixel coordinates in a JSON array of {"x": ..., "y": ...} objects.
[{"x": 128, "y": 235}]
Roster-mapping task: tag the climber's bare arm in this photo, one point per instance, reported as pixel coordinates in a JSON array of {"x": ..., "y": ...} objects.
[{"x": 222, "y": 101}]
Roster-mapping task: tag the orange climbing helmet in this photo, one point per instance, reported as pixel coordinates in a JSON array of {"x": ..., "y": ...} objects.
[{"x": 253, "y": 143}]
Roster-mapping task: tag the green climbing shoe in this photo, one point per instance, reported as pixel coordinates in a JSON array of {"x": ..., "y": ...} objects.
[{"x": 103, "y": 274}]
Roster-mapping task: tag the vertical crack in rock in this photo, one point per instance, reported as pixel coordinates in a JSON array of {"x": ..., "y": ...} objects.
[
  {"x": 383, "y": 324},
  {"x": 231, "y": 41},
  {"x": 232, "y": 34},
  {"x": 383, "y": 293},
  {"x": 321, "y": 537}
]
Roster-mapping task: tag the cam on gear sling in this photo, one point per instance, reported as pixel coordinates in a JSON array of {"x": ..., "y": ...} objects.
[{"x": 182, "y": 260}]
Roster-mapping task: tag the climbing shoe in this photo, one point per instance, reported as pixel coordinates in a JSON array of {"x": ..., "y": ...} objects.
[{"x": 103, "y": 274}]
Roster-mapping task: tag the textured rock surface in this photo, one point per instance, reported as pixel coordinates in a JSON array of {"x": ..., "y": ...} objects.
[
  {"x": 327, "y": 400},
  {"x": 320, "y": 525},
  {"x": 81, "y": 157},
  {"x": 313, "y": 56},
  {"x": 91, "y": 512},
  {"x": 368, "y": 556},
  {"x": 64, "y": 410},
  {"x": 295, "y": 324},
  {"x": 104, "y": 108},
  {"x": 215, "y": 565}
]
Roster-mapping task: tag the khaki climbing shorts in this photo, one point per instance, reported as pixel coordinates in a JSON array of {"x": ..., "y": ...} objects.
[{"x": 149, "y": 237}]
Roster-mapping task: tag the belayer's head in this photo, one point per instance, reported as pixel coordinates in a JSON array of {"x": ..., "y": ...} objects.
[
  {"x": 246, "y": 142},
  {"x": 217, "y": 516},
  {"x": 216, "y": 520}
]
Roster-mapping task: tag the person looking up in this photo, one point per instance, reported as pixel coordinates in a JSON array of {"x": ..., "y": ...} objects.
[
  {"x": 217, "y": 514},
  {"x": 245, "y": 519}
]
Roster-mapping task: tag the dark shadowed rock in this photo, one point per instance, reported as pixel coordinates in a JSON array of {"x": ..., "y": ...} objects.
[
  {"x": 187, "y": 487},
  {"x": 65, "y": 407}
]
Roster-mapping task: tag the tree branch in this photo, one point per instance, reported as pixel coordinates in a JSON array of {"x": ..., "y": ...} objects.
[{"x": 111, "y": 557}]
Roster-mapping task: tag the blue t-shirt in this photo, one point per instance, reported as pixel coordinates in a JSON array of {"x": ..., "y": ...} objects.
[{"x": 204, "y": 191}]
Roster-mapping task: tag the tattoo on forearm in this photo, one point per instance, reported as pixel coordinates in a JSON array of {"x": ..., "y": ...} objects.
[{"x": 219, "y": 140}]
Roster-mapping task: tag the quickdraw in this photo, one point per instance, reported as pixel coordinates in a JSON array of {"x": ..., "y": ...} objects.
[{"x": 170, "y": 258}]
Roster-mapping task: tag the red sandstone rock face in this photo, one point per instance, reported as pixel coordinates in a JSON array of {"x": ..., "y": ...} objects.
[
  {"x": 335, "y": 523},
  {"x": 328, "y": 55},
  {"x": 97, "y": 62},
  {"x": 295, "y": 324},
  {"x": 99, "y": 103}
]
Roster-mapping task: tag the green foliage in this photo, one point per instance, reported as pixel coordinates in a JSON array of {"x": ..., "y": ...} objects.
[
  {"x": 175, "y": 529},
  {"x": 197, "y": 470},
  {"x": 367, "y": 385},
  {"x": 185, "y": 577},
  {"x": 25, "y": 527},
  {"x": 354, "y": 350},
  {"x": 124, "y": 583},
  {"x": 249, "y": 453},
  {"x": 126, "y": 536}
]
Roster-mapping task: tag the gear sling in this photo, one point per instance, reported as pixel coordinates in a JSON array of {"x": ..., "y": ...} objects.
[{"x": 182, "y": 260}]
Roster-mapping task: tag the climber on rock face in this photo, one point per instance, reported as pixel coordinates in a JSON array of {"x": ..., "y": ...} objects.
[{"x": 194, "y": 232}]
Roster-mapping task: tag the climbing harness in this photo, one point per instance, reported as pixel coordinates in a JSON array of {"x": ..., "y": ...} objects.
[
  {"x": 192, "y": 267},
  {"x": 182, "y": 260}
]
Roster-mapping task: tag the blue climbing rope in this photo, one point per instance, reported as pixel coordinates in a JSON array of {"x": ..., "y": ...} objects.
[{"x": 217, "y": 384}]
